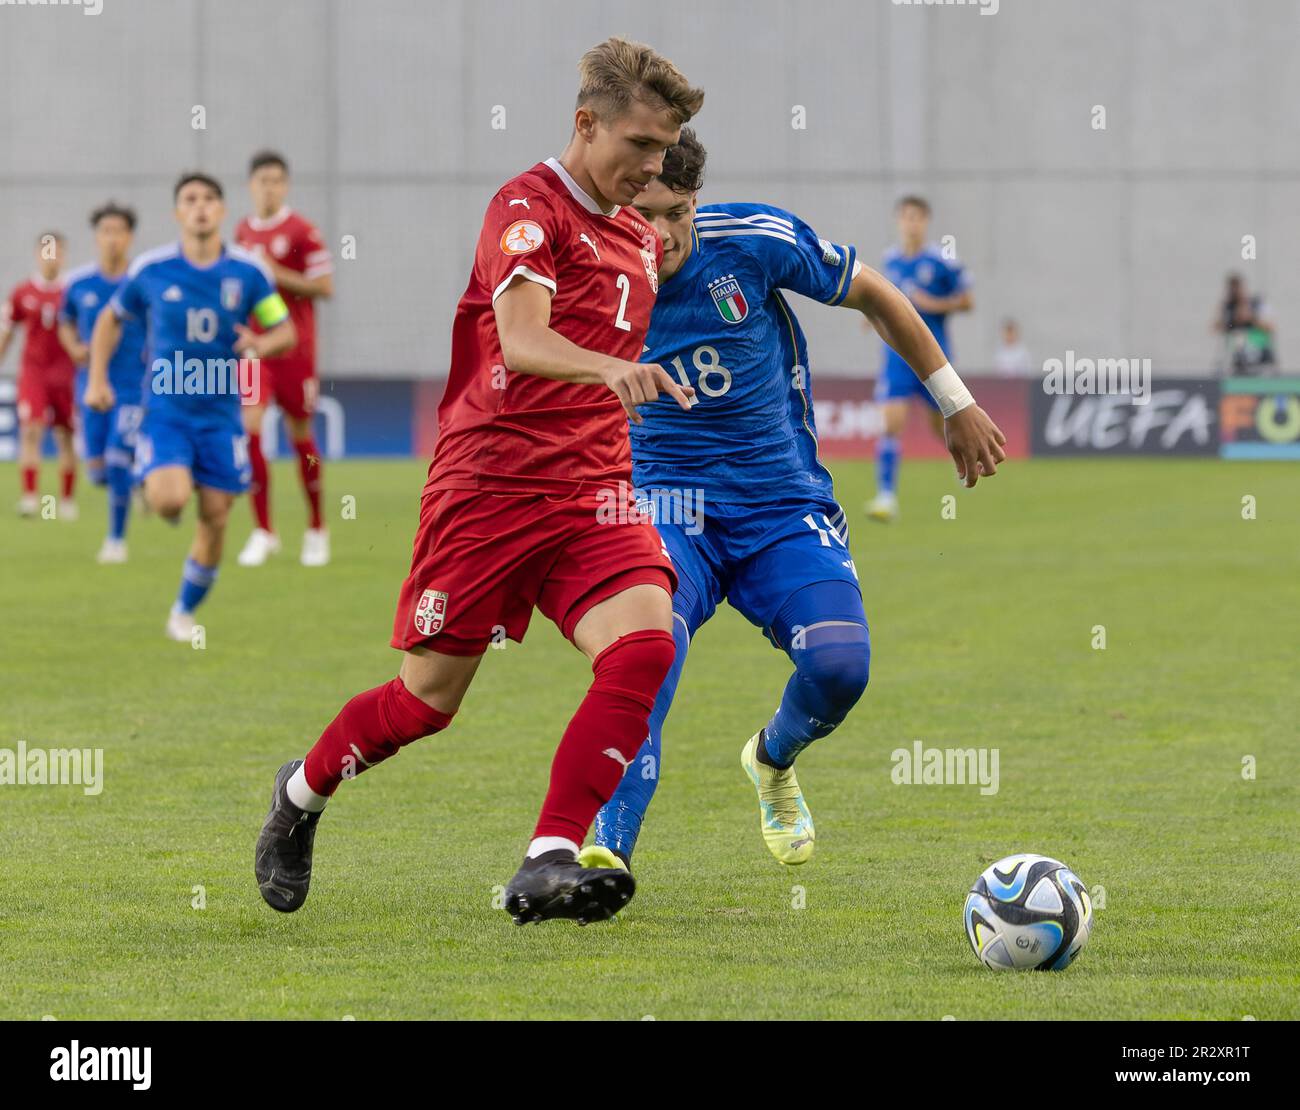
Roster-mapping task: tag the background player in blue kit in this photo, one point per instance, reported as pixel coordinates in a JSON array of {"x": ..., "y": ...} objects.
[
  {"x": 196, "y": 296},
  {"x": 107, "y": 438},
  {"x": 771, "y": 538},
  {"x": 936, "y": 285}
]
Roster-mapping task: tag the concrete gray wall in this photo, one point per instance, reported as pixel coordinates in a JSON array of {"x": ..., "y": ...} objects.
[{"x": 1107, "y": 242}]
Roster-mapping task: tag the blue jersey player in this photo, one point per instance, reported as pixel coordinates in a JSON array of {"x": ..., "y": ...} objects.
[
  {"x": 744, "y": 504},
  {"x": 937, "y": 284},
  {"x": 196, "y": 297},
  {"x": 107, "y": 438}
]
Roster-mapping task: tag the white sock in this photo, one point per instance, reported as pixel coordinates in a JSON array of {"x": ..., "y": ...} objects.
[
  {"x": 550, "y": 844},
  {"x": 302, "y": 795}
]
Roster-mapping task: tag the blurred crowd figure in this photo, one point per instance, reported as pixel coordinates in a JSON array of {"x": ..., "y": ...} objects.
[
  {"x": 1011, "y": 359},
  {"x": 1246, "y": 327}
]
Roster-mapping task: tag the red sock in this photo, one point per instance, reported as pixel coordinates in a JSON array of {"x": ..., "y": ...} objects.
[
  {"x": 369, "y": 729},
  {"x": 29, "y": 479},
  {"x": 309, "y": 466},
  {"x": 605, "y": 733},
  {"x": 260, "y": 490},
  {"x": 69, "y": 482}
]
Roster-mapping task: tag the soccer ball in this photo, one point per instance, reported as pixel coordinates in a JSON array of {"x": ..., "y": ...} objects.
[{"x": 1028, "y": 913}]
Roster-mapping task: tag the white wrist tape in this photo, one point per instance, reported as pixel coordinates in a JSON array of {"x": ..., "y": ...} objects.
[{"x": 948, "y": 391}]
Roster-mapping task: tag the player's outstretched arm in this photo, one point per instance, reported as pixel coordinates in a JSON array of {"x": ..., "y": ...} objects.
[
  {"x": 896, "y": 321},
  {"x": 104, "y": 339},
  {"x": 530, "y": 346},
  {"x": 974, "y": 441},
  {"x": 71, "y": 342},
  {"x": 266, "y": 344},
  {"x": 290, "y": 281}
]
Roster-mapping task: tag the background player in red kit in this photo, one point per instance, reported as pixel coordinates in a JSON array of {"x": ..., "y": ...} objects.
[
  {"x": 45, "y": 374},
  {"x": 300, "y": 262},
  {"x": 528, "y": 501}
]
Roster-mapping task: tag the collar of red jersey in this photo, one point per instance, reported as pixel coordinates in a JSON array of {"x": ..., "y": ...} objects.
[
  {"x": 579, "y": 193},
  {"x": 46, "y": 286},
  {"x": 257, "y": 223}
]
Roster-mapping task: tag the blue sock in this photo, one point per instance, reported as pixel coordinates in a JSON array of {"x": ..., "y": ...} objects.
[
  {"x": 196, "y": 581},
  {"x": 119, "y": 501},
  {"x": 888, "y": 451},
  {"x": 619, "y": 821},
  {"x": 824, "y": 631}
]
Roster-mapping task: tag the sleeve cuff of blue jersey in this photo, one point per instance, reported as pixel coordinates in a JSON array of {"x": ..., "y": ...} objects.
[
  {"x": 523, "y": 272},
  {"x": 850, "y": 271},
  {"x": 120, "y": 312}
]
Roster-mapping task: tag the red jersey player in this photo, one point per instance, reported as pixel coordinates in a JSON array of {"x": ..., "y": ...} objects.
[
  {"x": 532, "y": 456},
  {"x": 45, "y": 374},
  {"x": 300, "y": 263}
]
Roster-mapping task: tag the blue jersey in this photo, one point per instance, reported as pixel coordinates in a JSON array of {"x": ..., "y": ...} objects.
[
  {"x": 931, "y": 273},
  {"x": 88, "y": 292},
  {"x": 191, "y": 312},
  {"x": 723, "y": 325}
]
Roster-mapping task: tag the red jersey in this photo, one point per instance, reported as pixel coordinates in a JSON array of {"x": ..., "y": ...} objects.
[
  {"x": 35, "y": 303},
  {"x": 502, "y": 431},
  {"x": 294, "y": 243}
]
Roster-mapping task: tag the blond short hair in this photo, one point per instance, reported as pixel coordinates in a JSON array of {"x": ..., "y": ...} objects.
[{"x": 618, "y": 71}]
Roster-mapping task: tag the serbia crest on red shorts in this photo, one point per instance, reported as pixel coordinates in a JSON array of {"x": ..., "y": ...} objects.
[{"x": 430, "y": 612}]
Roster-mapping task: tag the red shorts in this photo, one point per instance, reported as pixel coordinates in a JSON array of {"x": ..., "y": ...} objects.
[
  {"x": 291, "y": 385},
  {"x": 48, "y": 403},
  {"x": 482, "y": 561}
]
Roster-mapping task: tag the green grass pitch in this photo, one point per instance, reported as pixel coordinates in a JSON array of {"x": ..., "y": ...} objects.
[{"x": 1125, "y": 762}]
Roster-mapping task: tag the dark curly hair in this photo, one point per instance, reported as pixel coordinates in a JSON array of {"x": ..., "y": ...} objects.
[{"x": 683, "y": 170}]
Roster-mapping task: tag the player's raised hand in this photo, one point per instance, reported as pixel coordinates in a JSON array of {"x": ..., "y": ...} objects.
[
  {"x": 639, "y": 383},
  {"x": 99, "y": 397},
  {"x": 975, "y": 443}
]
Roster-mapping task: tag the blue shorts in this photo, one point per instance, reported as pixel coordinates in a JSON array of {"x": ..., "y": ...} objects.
[
  {"x": 897, "y": 382},
  {"x": 755, "y": 556},
  {"x": 216, "y": 457},
  {"x": 102, "y": 433},
  {"x": 123, "y": 432},
  {"x": 92, "y": 431}
]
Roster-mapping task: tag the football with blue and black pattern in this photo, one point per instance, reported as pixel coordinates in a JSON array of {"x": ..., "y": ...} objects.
[{"x": 1028, "y": 913}]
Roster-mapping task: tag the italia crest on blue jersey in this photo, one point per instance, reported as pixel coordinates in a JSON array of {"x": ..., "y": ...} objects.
[
  {"x": 231, "y": 291},
  {"x": 729, "y": 299}
]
